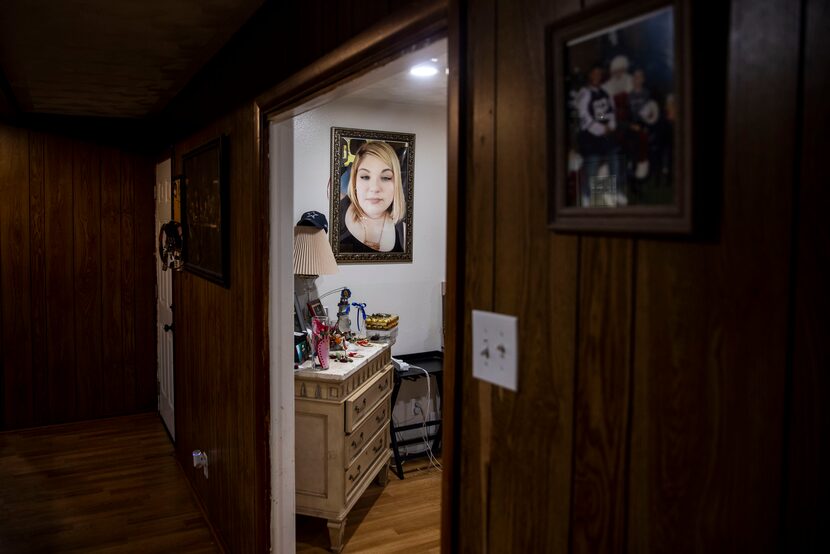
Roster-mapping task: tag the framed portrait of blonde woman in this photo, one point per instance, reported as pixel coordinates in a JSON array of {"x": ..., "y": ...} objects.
[{"x": 371, "y": 195}]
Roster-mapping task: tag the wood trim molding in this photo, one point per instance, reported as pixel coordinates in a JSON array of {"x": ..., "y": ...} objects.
[
  {"x": 456, "y": 254},
  {"x": 383, "y": 42},
  {"x": 400, "y": 33}
]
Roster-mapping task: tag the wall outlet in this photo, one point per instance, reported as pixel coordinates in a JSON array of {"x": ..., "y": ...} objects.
[{"x": 495, "y": 348}]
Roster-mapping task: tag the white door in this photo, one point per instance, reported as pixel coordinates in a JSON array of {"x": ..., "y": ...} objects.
[{"x": 164, "y": 285}]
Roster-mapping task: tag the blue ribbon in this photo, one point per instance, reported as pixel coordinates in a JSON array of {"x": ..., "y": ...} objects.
[{"x": 361, "y": 312}]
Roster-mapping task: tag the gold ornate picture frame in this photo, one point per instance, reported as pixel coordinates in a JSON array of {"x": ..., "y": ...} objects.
[{"x": 353, "y": 240}]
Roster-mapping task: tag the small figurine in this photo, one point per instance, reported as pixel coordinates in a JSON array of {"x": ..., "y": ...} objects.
[{"x": 344, "y": 324}]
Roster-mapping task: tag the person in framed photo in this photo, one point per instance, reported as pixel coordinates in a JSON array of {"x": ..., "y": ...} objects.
[
  {"x": 374, "y": 208},
  {"x": 597, "y": 124}
]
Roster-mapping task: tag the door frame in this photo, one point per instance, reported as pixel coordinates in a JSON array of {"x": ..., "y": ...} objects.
[
  {"x": 408, "y": 30},
  {"x": 171, "y": 429}
]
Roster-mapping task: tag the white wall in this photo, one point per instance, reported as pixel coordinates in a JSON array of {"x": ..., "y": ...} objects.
[{"x": 411, "y": 290}]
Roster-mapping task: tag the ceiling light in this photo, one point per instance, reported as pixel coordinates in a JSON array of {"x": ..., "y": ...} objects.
[{"x": 424, "y": 70}]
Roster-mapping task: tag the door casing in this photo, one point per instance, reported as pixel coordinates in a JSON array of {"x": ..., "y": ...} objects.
[{"x": 410, "y": 29}]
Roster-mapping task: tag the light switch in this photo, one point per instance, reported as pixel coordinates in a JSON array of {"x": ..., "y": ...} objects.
[{"x": 495, "y": 348}]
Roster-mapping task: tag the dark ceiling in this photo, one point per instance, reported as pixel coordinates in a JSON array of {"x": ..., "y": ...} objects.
[{"x": 108, "y": 58}]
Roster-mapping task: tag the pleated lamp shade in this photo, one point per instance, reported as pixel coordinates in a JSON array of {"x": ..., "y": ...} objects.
[{"x": 312, "y": 252}]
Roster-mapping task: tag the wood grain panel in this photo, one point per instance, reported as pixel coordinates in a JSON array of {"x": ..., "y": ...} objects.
[
  {"x": 60, "y": 287},
  {"x": 602, "y": 402},
  {"x": 474, "y": 473},
  {"x": 112, "y": 323},
  {"x": 65, "y": 274},
  {"x": 476, "y": 432},
  {"x": 15, "y": 315},
  {"x": 682, "y": 345},
  {"x": 145, "y": 286},
  {"x": 677, "y": 373},
  {"x": 87, "y": 278},
  {"x": 711, "y": 328},
  {"x": 128, "y": 263},
  {"x": 37, "y": 242},
  {"x": 535, "y": 279},
  {"x": 454, "y": 299},
  {"x": 807, "y": 518},
  {"x": 261, "y": 284},
  {"x": 215, "y": 351}
]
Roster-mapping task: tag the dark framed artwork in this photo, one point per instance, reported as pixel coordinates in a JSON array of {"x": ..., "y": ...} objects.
[
  {"x": 372, "y": 180},
  {"x": 620, "y": 119},
  {"x": 316, "y": 309},
  {"x": 206, "y": 211}
]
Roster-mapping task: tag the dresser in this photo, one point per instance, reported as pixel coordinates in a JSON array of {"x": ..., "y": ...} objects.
[{"x": 342, "y": 420}]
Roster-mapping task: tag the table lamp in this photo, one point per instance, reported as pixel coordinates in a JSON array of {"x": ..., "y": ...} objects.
[{"x": 312, "y": 251}]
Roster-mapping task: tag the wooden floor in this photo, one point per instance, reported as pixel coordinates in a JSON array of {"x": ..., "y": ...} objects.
[
  {"x": 404, "y": 516},
  {"x": 113, "y": 486},
  {"x": 102, "y": 486}
]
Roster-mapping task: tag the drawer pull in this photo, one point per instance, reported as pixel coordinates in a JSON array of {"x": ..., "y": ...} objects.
[
  {"x": 357, "y": 441},
  {"x": 381, "y": 416},
  {"x": 355, "y": 475},
  {"x": 383, "y": 386},
  {"x": 358, "y": 409},
  {"x": 377, "y": 448}
]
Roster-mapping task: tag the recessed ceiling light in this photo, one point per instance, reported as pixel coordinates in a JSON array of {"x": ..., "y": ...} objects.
[{"x": 423, "y": 70}]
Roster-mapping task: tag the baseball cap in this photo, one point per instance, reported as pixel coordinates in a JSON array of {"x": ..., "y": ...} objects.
[{"x": 314, "y": 219}]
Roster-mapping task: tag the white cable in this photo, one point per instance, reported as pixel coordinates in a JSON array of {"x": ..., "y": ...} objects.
[{"x": 433, "y": 460}]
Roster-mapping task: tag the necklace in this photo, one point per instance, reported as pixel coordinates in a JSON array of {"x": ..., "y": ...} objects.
[{"x": 366, "y": 241}]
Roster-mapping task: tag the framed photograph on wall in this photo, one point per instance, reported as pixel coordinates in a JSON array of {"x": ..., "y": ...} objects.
[
  {"x": 620, "y": 118},
  {"x": 205, "y": 206},
  {"x": 372, "y": 178}
]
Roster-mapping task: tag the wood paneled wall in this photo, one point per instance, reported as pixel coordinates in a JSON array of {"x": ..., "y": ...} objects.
[
  {"x": 221, "y": 357},
  {"x": 221, "y": 404},
  {"x": 77, "y": 280},
  {"x": 807, "y": 518},
  {"x": 670, "y": 391}
]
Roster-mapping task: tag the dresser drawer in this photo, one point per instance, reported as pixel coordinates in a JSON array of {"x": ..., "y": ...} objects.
[
  {"x": 366, "y": 430},
  {"x": 378, "y": 446},
  {"x": 362, "y": 402}
]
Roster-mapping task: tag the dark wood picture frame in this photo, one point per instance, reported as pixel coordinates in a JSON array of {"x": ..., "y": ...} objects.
[
  {"x": 343, "y": 145},
  {"x": 205, "y": 206},
  {"x": 565, "y": 211}
]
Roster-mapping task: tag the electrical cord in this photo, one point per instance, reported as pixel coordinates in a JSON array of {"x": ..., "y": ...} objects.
[{"x": 433, "y": 460}]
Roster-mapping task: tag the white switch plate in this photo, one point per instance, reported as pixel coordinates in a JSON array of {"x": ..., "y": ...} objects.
[{"x": 495, "y": 348}]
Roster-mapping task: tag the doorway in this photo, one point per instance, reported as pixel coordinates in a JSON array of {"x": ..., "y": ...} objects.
[
  {"x": 386, "y": 99},
  {"x": 164, "y": 304}
]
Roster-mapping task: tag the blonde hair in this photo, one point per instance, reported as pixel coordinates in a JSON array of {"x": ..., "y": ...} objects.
[{"x": 387, "y": 155}]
